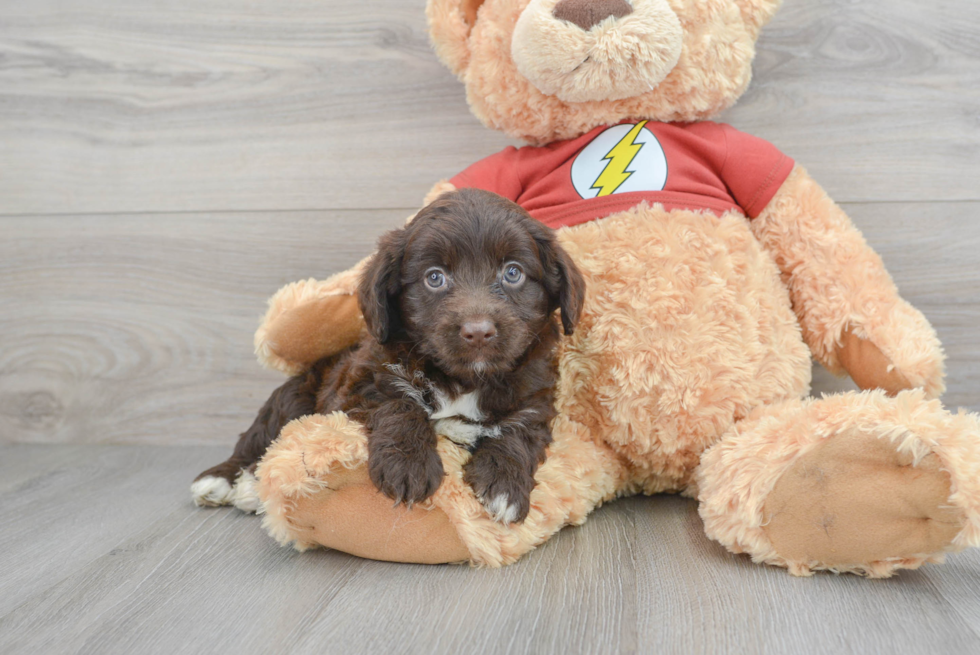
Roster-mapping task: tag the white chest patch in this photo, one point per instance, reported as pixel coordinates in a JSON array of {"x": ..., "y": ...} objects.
[
  {"x": 459, "y": 418},
  {"x": 466, "y": 405},
  {"x": 621, "y": 159}
]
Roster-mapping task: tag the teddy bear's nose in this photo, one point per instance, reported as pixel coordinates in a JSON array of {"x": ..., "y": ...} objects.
[{"x": 589, "y": 13}]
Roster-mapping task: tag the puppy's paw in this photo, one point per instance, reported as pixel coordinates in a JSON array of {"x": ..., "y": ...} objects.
[
  {"x": 405, "y": 476},
  {"x": 245, "y": 494},
  {"x": 211, "y": 491},
  {"x": 502, "y": 510},
  {"x": 503, "y": 487}
]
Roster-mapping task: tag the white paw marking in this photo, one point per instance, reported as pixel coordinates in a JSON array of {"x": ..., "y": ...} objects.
[
  {"x": 465, "y": 434},
  {"x": 211, "y": 492},
  {"x": 500, "y": 510},
  {"x": 245, "y": 495}
]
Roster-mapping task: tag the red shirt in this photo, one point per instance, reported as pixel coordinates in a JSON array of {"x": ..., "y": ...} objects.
[{"x": 700, "y": 166}]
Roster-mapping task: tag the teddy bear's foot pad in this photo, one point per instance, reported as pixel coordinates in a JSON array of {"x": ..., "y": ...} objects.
[
  {"x": 855, "y": 499},
  {"x": 352, "y": 516}
]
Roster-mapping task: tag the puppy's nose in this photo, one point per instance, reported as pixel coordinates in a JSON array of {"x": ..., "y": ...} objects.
[
  {"x": 477, "y": 333},
  {"x": 589, "y": 13}
]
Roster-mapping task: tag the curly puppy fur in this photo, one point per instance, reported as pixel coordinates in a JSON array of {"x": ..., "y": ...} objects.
[{"x": 461, "y": 338}]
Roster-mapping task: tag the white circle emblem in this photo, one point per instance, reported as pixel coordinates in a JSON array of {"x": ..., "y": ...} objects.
[{"x": 622, "y": 159}]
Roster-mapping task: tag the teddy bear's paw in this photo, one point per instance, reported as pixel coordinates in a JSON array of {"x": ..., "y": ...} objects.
[
  {"x": 862, "y": 502},
  {"x": 855, "y": 482}
]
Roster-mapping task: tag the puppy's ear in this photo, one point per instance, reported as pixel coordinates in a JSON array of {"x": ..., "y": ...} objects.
[
  {"x": 562, "y": 279},
  {"x": 571, "y": 290},
  {"x": 380, "y": 286}
]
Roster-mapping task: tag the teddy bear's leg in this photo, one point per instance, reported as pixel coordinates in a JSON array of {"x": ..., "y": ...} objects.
[
  {"x": 852, "y": 317},
  {"x": 315, "y": 489},
  {"x": 856, "y": 482}
]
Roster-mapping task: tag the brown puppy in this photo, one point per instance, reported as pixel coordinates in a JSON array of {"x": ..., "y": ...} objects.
[{"x": 459, "y": 307}]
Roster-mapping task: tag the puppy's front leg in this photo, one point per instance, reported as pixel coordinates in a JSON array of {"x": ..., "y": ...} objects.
[
  {"x": 501, "y": 471},
  {"x": 402, "y": 459}
]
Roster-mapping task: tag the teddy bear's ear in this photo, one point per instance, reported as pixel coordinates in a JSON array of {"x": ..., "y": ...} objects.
[
  {"x": 757, "y": 13},
  {"x": 450, "y": 22}
]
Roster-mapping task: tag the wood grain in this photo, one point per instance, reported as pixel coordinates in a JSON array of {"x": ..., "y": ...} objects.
[
  {"x": 878, "y": 99},
  {"x": 166, "y": 166},
  {"x": 138, "y": 329},
  {"x": 572, "y": 594},
  {"x": 62, "y": 507},
  {"x": 208, "y": 105},
  {"x": 199, "y": 580},
  {"x": 698, "y": 598},
  {"x": 133, "y": 573}
]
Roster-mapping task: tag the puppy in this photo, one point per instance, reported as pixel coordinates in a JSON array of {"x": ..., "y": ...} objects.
[{"x": 461, "y": 337}]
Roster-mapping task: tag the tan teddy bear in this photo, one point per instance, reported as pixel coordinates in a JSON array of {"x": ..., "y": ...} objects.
[{"x": 716, "y": 267}]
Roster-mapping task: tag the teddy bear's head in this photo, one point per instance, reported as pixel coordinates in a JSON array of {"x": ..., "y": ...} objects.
[{"x": 544, "y": 70}]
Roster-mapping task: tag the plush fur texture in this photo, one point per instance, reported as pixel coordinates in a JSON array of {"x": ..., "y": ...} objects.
[
  {"x": 308, "y": 459},
  {"x": 689, "y": 365},
  {"x": 615, "y": 59},
  {"x": 639, "y": 406},
  {"x": 712, "y": 69},
  {"x": 280, "y": 341},
  {"x": 737, "y": 475},
  {"x": 837, "y": 282}
]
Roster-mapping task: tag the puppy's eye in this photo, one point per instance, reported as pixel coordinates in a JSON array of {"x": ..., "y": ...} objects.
[
  {"x": 513, "y": 274},
  {"x": 435, "y": 278}
]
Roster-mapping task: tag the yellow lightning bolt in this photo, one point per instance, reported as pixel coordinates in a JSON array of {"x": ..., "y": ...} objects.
[{"x": 620, "y": 157}]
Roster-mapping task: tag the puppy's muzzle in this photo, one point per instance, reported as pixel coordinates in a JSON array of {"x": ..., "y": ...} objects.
[{"x": 478, "y": 332}]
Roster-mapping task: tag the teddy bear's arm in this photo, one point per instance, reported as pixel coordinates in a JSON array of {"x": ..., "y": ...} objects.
[
  {"x": 311, "y": 319},
  {"x": 852, "y": 317}
]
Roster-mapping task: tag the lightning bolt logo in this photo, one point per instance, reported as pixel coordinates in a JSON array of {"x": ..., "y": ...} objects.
[{"x": 618, "y": 160}]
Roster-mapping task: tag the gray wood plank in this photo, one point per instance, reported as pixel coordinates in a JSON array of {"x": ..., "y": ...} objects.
[
  {"x": 23, "y": 463},
  {"x": 121, "y": 328},
  {"x": 138, "y": 329},
  {"x": 695, "y": 597},
  {"x": 877, "y": 99},
  {"x": 225, "y": 104},
  {"x": 574, "y": 594},
  {"x": 638, "y": 577},
  {"x": 210, "y": 581},
  {"x": 959, "y": 583},
  {"x": 196, "y": 581},
  {"x": 71, "y": 510}
]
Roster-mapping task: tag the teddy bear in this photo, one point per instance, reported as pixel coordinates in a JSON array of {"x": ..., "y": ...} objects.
[{"x": 716, "y": 269}]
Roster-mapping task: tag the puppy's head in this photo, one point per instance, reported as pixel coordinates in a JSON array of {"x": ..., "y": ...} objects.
[{"x": 472, "y": 282}]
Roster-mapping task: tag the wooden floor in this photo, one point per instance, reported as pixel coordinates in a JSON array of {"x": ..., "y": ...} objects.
[{"x": 165, "y": 167}]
